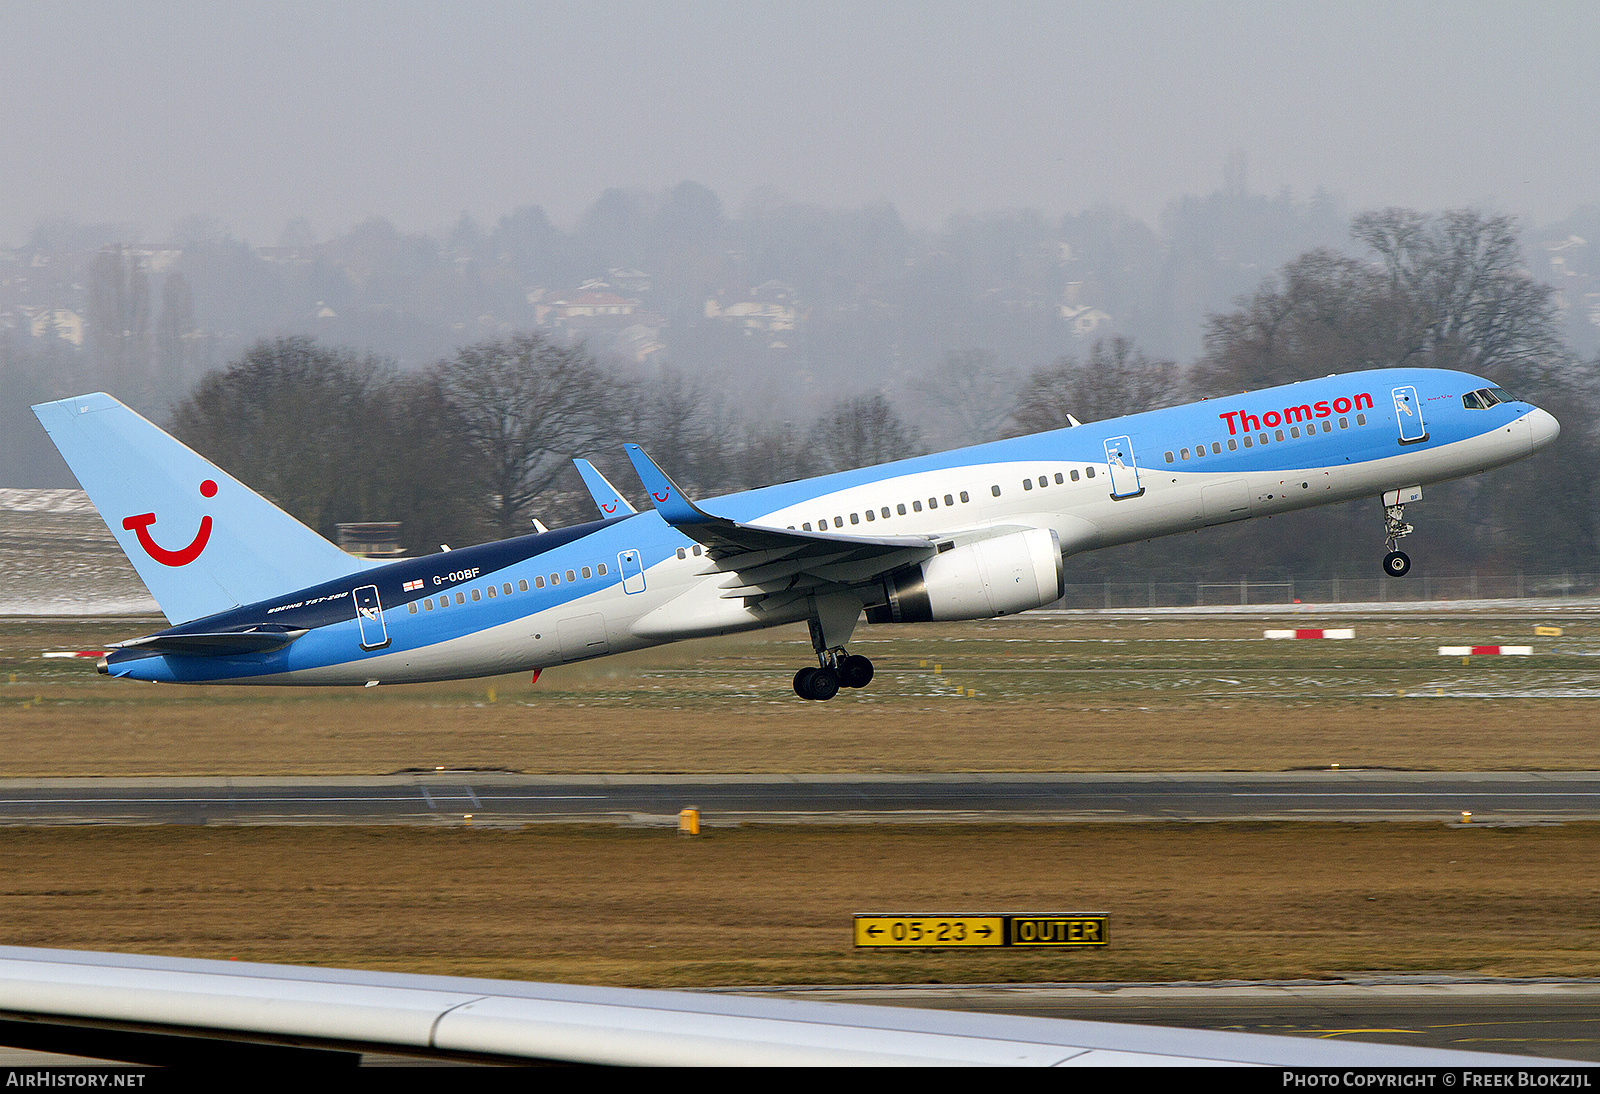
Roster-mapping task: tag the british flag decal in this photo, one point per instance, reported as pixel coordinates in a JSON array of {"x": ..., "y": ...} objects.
[{"x": 413, "y": 586}]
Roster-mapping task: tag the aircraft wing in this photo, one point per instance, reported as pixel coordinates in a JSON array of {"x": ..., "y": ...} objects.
[
  {"x": 727, "y": 538},
  {"x": 771, "y": 568},
  {"x": 180, "y": 1010}
]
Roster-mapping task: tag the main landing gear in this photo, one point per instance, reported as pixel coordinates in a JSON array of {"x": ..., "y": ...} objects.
[
  {"x": 833, "y": 620},
  {"x": 838, "y": 669},
  {"x": 1396, "y": 563}
]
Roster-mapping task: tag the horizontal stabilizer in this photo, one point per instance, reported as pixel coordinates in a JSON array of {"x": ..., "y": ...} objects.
[
  {"x": 214, "y": 644},
  {"x": 606, "y": 496}
]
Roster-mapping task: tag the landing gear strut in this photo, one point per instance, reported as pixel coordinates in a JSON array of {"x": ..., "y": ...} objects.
[
  {"x": 1396, "y": 563},
  {"x": 833, "y": 620}
]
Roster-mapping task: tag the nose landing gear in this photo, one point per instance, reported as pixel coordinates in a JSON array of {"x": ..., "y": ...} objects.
[{"x": 1397, "y": 563}]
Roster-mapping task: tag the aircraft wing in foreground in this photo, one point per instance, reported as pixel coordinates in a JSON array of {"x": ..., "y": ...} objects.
[{"x": 138, "y": 1004}]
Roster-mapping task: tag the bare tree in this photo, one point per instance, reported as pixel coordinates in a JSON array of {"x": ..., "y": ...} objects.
[
  {"x": 966, "y": 397},
  {"x": 528, "y": 405},
  {"x": 861, "y": 432},
  {"x": 290, "y": 418},
  {"x": 1115, "y": 379},
  {"x": 1445, "y": 292},
  {"x": 1460, "y": 292}
]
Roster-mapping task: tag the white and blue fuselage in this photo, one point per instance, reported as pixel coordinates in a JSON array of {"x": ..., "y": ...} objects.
[{"x": 827, "y": 547}]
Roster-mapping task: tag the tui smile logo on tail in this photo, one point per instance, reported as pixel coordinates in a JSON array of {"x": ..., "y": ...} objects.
[{"x": 140, "y": 526}]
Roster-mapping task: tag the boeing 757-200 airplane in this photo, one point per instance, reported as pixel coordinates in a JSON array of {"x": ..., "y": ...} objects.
[{"x": 256, "y": 597}]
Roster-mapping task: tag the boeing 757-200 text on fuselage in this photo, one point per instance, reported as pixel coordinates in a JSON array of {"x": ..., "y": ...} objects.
[{"x": 255, "y": 597}]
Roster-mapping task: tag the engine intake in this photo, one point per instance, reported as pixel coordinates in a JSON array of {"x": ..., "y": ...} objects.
[{"x": 981, "y": 580}]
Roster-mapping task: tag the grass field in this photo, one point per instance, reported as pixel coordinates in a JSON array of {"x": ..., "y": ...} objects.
[
  {"x": 1050, "y": 693},
  {"x": 773, "y": 905}
]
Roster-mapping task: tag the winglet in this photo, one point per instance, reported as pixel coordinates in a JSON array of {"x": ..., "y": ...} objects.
[
  {"x": 606, "y": 496},
  {"x": 670, "y": 501}
]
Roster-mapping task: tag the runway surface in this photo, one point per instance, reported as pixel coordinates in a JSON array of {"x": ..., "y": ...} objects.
[{"x": 444, "y": 797}]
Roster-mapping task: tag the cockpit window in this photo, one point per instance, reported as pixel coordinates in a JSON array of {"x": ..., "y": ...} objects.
[{"x": 1485, "y": 397}]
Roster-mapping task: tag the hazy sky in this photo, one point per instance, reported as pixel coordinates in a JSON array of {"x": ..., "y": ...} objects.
[{"x": 142, "y": 113}]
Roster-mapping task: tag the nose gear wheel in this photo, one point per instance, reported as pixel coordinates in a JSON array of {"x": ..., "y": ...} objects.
[{"x": 1396, "y": 563}]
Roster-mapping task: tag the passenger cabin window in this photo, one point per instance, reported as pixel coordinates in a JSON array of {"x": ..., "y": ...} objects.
[
  {"x": 476, "y": 595},
  {"x": 491, "y": 592},
  {"x": 901, "y": 508},
  {"x": 1059, "y": 481},
  {"x": 948, "y": 500},
  {"x": 413, "y": 607},
  {"x": 1027, "y": 484},
  {"x": 838, "y": 522},
  {"x": 916, "y": 507},
  {"x": 1233, "y": 445},
  {"x": 933, "y": 503},
  {"x": 1277, "y": 435},
  {"x": 885, "y": 511},
  {"x": 506, "y": 588},
  {"x": 1361, "y": 419},
  {"x": 603, "y": 570},
  {"x": 1074, "y": 471},
  {"x": 682, "y": 554},
  {"x": 1088, "y": 472},
  {"x": 538, "y": 582},
  {"x": 460, "y": 599},
  {"x": 427, "y": 605},
  {"x": 522, "y": 584},
  {"x": 995, "y": 490},
  {"x": 1183, "y": 453},
  {"x": 555, "y": 579},
  {"x": 586, "y": 572},
  {"x": 871, "y": 515},
  {"x": 966, "y": 498},
  {"x": 571, "y": 576},
  {"x": 1248, "y": 443},
  {"x": 806, "y": 527},
  {"x": 855, "y": 518}
]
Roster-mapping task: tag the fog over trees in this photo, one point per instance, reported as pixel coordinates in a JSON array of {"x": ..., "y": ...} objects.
[{"x": 446, "y": 380}]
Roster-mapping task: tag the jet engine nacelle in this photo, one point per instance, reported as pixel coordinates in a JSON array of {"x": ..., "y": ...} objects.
[{"x": 980, "y": 580}]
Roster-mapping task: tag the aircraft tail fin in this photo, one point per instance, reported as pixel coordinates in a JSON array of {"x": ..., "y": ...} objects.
[
  {"x": 201, "y": 541},
  {"x": 606, "y": 496}
]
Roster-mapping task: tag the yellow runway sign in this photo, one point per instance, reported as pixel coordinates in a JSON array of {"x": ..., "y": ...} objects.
[{"x": 940, "y": 931}]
